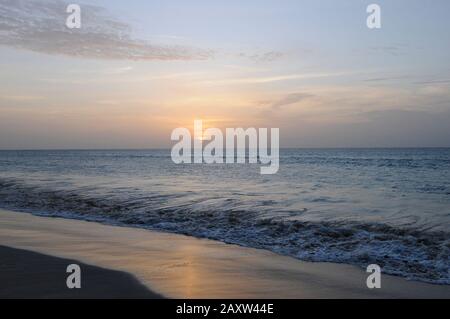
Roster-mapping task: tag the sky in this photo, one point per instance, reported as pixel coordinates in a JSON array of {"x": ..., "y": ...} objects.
[{"x": 138, "y": 69}]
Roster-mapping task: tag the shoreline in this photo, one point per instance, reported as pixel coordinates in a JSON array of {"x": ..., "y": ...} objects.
[{"x": 179, "y": 266}]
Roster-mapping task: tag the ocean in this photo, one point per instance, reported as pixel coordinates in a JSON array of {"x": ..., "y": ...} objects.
[{"x": 389, "y": 207}]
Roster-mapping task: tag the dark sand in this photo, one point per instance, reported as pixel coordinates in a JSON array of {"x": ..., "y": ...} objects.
[{"x": 26, "y": 274}]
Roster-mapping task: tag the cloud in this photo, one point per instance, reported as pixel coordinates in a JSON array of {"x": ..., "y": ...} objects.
[
  {"x": 383, "y": 79},
  {"x": 290, "y": 99},
  {"x": 263, "y": 57},
  {"x": 394, "y": 50},
  {"x": 39, "y": 26},
  {"x": 121, "y": 70},
  {"x": 445, "y": 81},
  {"x": 21, "y": 98},
  {"x": 269, "y": 79}
]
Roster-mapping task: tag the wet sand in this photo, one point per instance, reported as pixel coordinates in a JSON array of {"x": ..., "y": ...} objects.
[
  {"x": 26, "y": 274},
  {"x": 179, "y": 266}
]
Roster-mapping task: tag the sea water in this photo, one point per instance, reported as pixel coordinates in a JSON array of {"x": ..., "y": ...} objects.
[{"x": 390, "y": 207}]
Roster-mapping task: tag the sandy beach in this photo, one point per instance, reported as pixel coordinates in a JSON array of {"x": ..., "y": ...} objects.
[
  {"x": 174, "y": 266},
  {"x": 26, "y": 274}
]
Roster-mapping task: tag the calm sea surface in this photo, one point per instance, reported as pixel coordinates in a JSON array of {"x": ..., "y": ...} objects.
[{"x": 356, "y": 206}]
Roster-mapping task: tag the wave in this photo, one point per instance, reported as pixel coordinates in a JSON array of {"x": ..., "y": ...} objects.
[{"x": 408, "y": 252}]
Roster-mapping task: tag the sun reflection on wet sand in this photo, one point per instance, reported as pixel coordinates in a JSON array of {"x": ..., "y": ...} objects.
[{"x": 186, "y": 267}]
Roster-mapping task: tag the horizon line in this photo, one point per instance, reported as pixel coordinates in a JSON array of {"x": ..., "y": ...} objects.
[{"x": 168, "y": 148}]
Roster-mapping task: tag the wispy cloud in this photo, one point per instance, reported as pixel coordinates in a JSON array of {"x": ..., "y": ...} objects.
[
  {"x": 271, "y": 78},
  {"x": 290, "y": 99},
  {"x": 120, "y": 70},
  {"x": 21, "y": 98},
  {"x": 394, "y": 50},
  {"x": 433, "y": 82},
  {"x": 387, "y": 78},
  {"x": 40, "y": 26},
  {"x": 262, "y": 57}
]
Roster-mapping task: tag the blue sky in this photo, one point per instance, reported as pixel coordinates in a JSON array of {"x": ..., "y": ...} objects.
[{"x": 311, "y": 68}]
